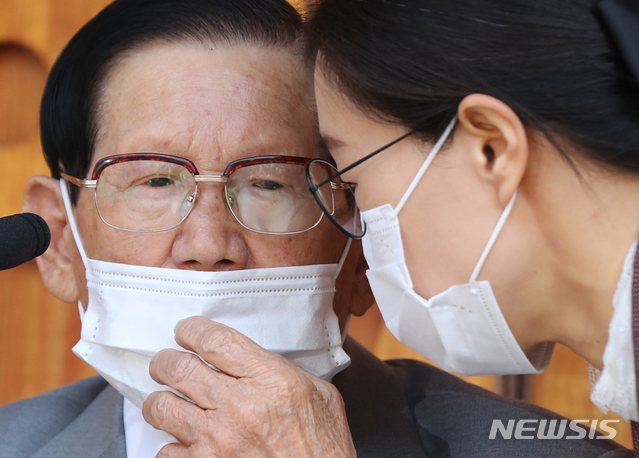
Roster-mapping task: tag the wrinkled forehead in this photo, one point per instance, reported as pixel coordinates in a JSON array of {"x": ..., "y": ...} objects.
[{"x": 209, "y": 103}]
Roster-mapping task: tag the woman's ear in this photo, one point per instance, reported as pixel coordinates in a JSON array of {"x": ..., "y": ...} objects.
[
  {"x": 499, "y": 142},
  {"x": 57, "y": 267}
]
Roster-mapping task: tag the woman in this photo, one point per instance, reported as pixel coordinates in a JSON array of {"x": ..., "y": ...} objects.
[{"x": 502, "y": 201}]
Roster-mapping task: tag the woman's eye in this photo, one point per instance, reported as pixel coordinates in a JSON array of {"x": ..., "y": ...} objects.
[
  {"x": 269, "y": 185},
  {"x": 159, "y": 182}
]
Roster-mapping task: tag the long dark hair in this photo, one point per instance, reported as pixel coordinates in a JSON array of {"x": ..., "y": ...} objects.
[{"x": 413, "y": 61}]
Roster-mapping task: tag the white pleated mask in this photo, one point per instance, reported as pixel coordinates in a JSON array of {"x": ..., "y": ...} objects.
[
  {"x": 462, "y": 329},
  {"x": 132, "y": 312}
]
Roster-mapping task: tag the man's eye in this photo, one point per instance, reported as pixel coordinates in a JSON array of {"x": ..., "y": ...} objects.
[
  {"x": 159, "y": 182},
  {"x": 269, "y": 185}
]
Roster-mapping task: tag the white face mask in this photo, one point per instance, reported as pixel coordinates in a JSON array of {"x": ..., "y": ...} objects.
[
  {"x": 133, "y": 310},
  {"x": 461, "y": 329}
]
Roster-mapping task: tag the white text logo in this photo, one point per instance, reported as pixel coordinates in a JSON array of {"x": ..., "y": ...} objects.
[{"x": 552, "y": 429}]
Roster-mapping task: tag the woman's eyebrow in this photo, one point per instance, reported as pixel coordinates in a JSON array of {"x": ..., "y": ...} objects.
[{"x": 329, "y": 143}]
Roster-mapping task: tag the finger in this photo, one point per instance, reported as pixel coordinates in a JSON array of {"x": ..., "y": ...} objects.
[
  {"x": 227, "y": 349},
  {"x": 167, "y": 411},
  {"x": 186, "y": 373},
  {"x": 173, "y": 451}
]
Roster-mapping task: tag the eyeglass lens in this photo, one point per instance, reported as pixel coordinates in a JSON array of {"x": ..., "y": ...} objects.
[
  {"x": 151, "y": 195},
  {"x": 336, "y": 197}
]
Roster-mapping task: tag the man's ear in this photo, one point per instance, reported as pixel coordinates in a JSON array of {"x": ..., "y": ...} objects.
[
  {"x": 42, "y": 196},
  {"x": 353, "y": 294},
  {"x": 363, "y": 297},
  {"x": 498, "y": 139}
]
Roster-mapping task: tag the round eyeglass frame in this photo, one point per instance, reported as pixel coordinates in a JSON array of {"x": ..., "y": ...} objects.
[
  {"x": 191, "y": 167},
  {"x": 313, "y": 188}
]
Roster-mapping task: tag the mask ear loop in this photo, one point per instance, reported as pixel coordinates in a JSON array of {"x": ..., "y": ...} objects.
[
  {"x": 76, "y": 234},
  {"x": 340, "y": 264},
  {"x": 71, "y": 218},
  {"x": 493, "y": 237},
  {"x": 344, "y": 331},
  {"x": 426, "y": 164},
  {"x": 342, "y": 258}
]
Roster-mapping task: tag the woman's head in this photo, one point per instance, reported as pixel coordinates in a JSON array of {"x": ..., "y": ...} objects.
[
  {"x": 540, "y": 92},
  {"x": 412, "y": 62}
]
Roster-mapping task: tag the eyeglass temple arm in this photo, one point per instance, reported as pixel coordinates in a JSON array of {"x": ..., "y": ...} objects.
[
  {"x": 356, "y": 163},
  {"x": 79, "y": 182}
]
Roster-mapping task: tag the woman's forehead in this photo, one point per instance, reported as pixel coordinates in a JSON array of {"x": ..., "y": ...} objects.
[{"x": 186, "y": 99}]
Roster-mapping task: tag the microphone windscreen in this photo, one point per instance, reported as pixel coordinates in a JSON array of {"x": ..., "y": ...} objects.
[{"x": 23, "y": 237}]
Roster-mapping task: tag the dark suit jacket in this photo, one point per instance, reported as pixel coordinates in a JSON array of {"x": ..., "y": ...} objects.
[{"x": 399, "y": 408}]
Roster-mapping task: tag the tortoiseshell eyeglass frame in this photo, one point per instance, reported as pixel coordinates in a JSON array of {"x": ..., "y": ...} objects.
[{"x": 190, "y": 166}]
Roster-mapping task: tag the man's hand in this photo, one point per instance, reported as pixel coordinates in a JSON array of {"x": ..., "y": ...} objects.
[{"x": 259, "y": 404}]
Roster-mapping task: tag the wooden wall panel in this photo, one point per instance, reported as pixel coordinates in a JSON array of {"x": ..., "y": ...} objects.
[{"x": 36, "y": 330}]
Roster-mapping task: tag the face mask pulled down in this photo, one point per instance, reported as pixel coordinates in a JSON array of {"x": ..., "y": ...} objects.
[
  {"x": 132, "y": 311},
  {"x": 461, "y": 329}
]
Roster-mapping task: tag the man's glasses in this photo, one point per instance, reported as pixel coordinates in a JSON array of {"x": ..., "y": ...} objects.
[
  {"x": 152, "y": 192},
  {"x": 344, "y": 212}
]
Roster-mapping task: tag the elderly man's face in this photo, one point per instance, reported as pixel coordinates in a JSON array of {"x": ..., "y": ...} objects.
[{"x": 211, "y": 106}]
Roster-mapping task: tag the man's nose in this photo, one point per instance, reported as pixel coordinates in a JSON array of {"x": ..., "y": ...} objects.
[{"x": 209, "y": 239}]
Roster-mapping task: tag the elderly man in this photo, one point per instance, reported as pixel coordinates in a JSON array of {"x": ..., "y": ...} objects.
[{"x": 177, "y": 132}]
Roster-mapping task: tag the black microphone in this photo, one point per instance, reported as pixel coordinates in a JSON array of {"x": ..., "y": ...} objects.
[{"x": 22, "y": 237}]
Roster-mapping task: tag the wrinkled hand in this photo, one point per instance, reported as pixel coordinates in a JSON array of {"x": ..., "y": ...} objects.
[{"x": 260, "y": 404}]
